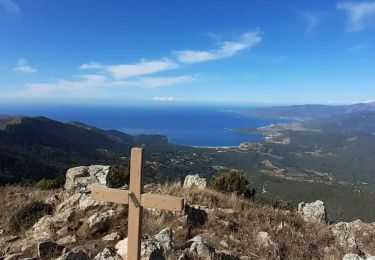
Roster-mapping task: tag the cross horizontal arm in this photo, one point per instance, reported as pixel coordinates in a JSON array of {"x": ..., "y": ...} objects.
[
  {"x": 111, "y": 195},
  {"x": 148, "y": 200},
  {"x": 158, "y": 201}
]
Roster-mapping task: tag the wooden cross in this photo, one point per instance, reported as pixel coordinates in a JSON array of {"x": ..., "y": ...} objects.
[{"x": 136, "y": 200}]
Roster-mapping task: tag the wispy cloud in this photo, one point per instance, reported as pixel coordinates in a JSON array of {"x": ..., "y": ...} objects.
[
  {"x": 311, "y": 20},
  {"x": 93, "y": 82},
  {"x": 23, "y": 67},
  {"x": 143, "y": 67},
  {"x": 226, "y": 49},
  {"x": 168, "y": 99},
  {"x": 91, "y": 65},
  {"x": 10, "y": 6},
  {"x": 123, "y": 71},
  {"x": 360, "y": 14},
  {"x": 154, "y": 82},
  {"x": 359, "y": 47}
]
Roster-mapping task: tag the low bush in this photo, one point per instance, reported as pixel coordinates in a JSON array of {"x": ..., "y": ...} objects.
[
  {"x": 28, "y": 215},
  {"x": 48, "y": 184},
  {"x": 285, "y": 205},
  {"x": 118, "y": 176},
  {"x": 233, "y": 182}
]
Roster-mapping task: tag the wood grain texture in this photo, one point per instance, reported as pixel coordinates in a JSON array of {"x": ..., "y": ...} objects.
[
  {"x": 159, "y": 201},
  {"x": 135, "y": 214},
  {"x": 111, "y": 195}
]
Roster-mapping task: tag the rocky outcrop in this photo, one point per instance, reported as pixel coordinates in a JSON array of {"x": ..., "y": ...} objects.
[
  {"x": 100, "y": 222},
  {"x": 79, "y": 179},
  {"x": 355, "y": 236},
  {"x": 313, "y": 211},
  {"x": 195, "y": 181},
  {"x": 345, "y": 234}
]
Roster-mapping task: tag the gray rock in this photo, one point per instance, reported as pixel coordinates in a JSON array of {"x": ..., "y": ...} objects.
[
  {"x": 195, "y": 181},
  {"x": 86, "y": 202},
  {"x": 79, "y": 255},
  {"x": 71, "y": 202},
  {"x": 67, "y": 240},
  {"x": 352, "y": 257},
  {"x": 164, "y": 237},
  {"x": 264, "y": 239},
  {"x": 150, "y": 249},
  {"x": 49, "y": 249},
  {"x": 313, "y": 211},
  {"x": 201, "y": 248},
  {"x": 107, "y": 254},
  {"x": 64, "y": 217},
  {"x": 111, "y": 237},
  {"x": 100, "y": 222},
  {"x": 345, "y": 234},
  {"x": 43, "y": 229},
  {"x": 79, "y": 179}
]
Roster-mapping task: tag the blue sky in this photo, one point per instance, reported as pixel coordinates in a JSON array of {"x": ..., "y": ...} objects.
[{"x": 271, "y": 52}]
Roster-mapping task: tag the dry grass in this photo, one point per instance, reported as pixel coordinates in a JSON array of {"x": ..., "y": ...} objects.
[
  {"x": 12, "y": 198},
  {"x": 235, "y": 220}
]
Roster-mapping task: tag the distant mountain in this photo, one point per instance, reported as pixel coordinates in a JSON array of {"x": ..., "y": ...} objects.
[
  {"x": 308, "y": 112},
  {"x": 32, "y": 148},
  {"x": 348, "y": 118}
]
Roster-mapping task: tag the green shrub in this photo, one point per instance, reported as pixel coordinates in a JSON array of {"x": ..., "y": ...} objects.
[
  {"x": 118, "y": 176},
  {"x": 233, "y": 182},
  {"x": 281, "y": 204},
  {"x": 28, "y": 215},
  {"x": 47, "y": 184}
]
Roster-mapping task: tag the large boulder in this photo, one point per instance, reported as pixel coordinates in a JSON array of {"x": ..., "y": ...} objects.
[
  {"x": 79, "y": 179},
  {"x": 101, "y": 221},
  {"x": 313, "y": 211},
  {"x": 345, "y": 234},
  {"x": 195, "y": 181}
]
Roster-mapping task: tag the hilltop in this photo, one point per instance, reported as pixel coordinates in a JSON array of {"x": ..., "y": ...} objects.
[{"x": 213, "y": 226}]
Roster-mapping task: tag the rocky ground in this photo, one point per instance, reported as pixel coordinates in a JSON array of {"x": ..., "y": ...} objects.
[{"x": 212, "y": 226}]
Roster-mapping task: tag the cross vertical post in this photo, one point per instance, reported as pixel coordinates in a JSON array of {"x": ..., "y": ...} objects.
[
  {"x": 136, "y": 200},
  {"x": 135, "y": 210}
]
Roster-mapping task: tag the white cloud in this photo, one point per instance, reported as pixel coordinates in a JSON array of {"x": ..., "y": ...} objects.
[
  {"x": 93, "y": 82},
  {"x": 91, "y": 65},
  {"x": 154, "y": 82},
  {"x": 10, "y": 6},
  {"x": 166, "y": 99},
  {"x": 226, "y": 49},
  {"x": 360, "y": 14},
  {"x": 23, "y": 67},
  {"x": 311, "y": 19},
  {"x": 143, "y": 67}
]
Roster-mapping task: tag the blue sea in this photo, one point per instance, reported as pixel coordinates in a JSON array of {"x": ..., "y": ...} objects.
[{"x": 205, "y": 126}]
